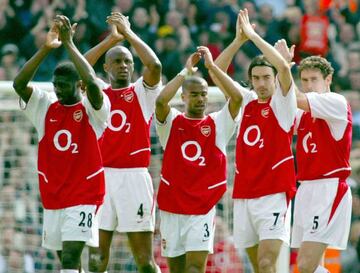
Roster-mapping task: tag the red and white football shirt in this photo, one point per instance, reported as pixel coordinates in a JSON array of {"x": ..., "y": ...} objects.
[
  {"x": 193, "y": 176},
  {"x": 264, "y": 160},
  {"x": 69, "y": 160},
  {"x": 324, "y": 138},
  {"x": 126, "y": 142}
]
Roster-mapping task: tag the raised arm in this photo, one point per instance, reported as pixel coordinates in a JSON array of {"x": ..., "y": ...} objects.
[
  {"x": 270, "y": 53},
  {"x": 162, "y": 108},
  {"x": 27, "y": 72},
  {"x": 94, "y": 54},
  {"x": 227, "y": 86},
  {"x": 85, "y": 70},
  {"x": 288, "y": 54},
  {"x": 223, "y": 61},
  {"x": 152, "y": 71}
]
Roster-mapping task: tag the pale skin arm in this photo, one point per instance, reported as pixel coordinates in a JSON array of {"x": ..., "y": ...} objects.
[
  {"x": 223, "y": 61},
  {"x": 270, "y": 53},
  {"x": 152, "y": 71},
  {"x": 27, "y": 72},
  {"x": 228, "y": 86},
  {"x": 288, "y": 55},
  {"x": 86, "y": 72},
  {"x": 162, "y": 108}
]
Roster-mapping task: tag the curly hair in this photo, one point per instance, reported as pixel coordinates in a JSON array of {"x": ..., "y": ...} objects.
[{"x": 316, "y": 62}]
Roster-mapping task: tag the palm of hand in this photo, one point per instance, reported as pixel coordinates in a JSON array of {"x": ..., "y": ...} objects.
[{"x": 52, "y": 40}]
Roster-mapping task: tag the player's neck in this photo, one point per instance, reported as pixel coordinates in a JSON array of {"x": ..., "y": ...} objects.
[
  {"x": 120, "y": 84},
  {"x": 194, "y": 116}
]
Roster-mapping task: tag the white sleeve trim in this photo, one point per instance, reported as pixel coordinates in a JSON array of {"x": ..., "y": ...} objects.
[
  {"x": 225, "y": 127},
  {"x": 284, "y": 107},
  {"x": 37, "y": 107},
  {"x": 163, "y": 128},
  {"x": 98, "y": 118},
  {"x": 147, "y": 97},
  {"x": 332, "y": 108}
]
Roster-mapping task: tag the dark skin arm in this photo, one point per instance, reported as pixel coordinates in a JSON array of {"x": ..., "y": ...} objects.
[
  {"x": 152, "y": 71},
  {"x": 94, "y": 54},
  {"x": 169, "y": 91},
  {"x": 27, "y": 72},
  {"x": 87, "y": 73}
]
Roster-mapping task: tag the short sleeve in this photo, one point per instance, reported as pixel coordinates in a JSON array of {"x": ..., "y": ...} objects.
[
  {"x": 225, "y": 126},
  {"x": 147, "y": 96},
  {"x": 284, "y": 107},
  {"x": 331, "y": 107},
  {"x": 37, "y": 107},
  {"x": 98, "y": 118},
  {"x": 163, "y": 128}
]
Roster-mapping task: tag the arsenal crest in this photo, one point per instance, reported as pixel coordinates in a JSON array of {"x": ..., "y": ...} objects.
[
  {"x": 265, "y": 112},
  {"x": 78, "y": 114},
  {"x": 129, "y": 96},
  {"x": 205, "y": 130}
]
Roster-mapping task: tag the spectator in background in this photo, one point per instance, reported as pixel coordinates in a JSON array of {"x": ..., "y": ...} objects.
[
  {"x": 314, "y": 30},
  {"x": 10, "y": 62}
]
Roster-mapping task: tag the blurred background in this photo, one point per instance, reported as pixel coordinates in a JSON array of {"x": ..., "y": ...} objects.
[{"x": 173, "y": 29}]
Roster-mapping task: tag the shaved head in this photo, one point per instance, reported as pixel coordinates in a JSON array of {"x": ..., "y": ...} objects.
[
  {"x": 193, "y": 80},
  {"x": 115, "y": 51}
]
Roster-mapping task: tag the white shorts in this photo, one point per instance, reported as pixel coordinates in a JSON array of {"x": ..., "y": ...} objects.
[
  {"x": 314, "y": 202},
  {"x": 263, "y": 218},
  {"x": 181, "y": 233},
  {"x": 76, "y": 223},
  {"x": 129, "y": 204}
]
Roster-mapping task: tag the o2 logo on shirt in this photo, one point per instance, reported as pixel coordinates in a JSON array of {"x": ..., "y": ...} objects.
[
  {"x": 62, "y": 145},
  {"x": 123, "y": 124},
  {"x": 251, "y": 130},
  {"x": 190, "y": 145},
  {"x": 309, "y": 147}
]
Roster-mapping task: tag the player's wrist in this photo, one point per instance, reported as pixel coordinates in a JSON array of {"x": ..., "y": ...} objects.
[{"x": 184, "y": 73}]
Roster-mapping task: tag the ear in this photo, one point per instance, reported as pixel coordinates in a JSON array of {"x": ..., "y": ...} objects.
[
  {"x": 328, "y": 79},
  {"x": 182, "y": 96},
  {"x": 105, "y": 66}
]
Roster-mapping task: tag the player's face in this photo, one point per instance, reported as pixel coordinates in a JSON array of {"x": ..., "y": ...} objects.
[
  {"x": 66, "y": 90},
  {"x": 120, "y": 67},
  {"x": 263, "y": 82},
  {"x": 195, "y": 98},
  {"x": 313, "y": 81}
]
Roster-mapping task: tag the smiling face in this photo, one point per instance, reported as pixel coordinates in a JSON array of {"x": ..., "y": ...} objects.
[
  {"x": 195, "y": 97},
  {"x": 119, "y": 66}
]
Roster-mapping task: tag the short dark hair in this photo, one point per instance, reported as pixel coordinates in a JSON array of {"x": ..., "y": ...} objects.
[
  {"x": 260, "y": 61},
  {"x": 193, "y": 80},
  {"x": 316, "y": 62},
  {"x": 67, "y": 69}
]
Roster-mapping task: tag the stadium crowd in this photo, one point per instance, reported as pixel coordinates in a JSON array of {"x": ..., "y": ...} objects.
[{"x": 173, "y": 29}]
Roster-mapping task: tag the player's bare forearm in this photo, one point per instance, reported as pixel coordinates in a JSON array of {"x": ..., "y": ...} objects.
[
  {"x": 94, "y": 54},
  {"x": 169, "y": 91},
  {"x": 229, "y": 88},
  {"x": 152, "y": 72},
  {"x": 302, "y": 101},
  {"x": 28, "y": 71},
  {"x": 87, "y": 75},
  {"x": 224, "y": 60}
]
